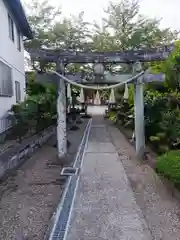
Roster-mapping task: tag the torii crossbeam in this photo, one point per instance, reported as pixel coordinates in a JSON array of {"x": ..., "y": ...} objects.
[{"x": 131, "y": 56}]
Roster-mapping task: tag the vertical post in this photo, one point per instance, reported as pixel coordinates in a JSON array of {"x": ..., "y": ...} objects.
[
  {"x": 61, "y": 113},
  {"x": 139, "y": 113}
]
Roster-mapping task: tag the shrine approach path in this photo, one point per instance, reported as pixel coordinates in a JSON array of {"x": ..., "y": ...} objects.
[{"x": 117, "y": 196}]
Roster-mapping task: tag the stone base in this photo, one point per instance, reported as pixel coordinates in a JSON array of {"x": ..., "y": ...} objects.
[
  {"x": 79, "y": 121},
  {"x": 74, "y": 128},
  {"x": 66, "y": 159},
  {"x": 86, "y": 116}
]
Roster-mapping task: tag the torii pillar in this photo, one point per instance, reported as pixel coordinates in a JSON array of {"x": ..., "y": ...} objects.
[
  {"x": 61, "y": 113},
  {"x": 139, "y": 112}
]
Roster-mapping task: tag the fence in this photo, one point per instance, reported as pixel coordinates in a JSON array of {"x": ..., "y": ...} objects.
[{"x": 5, "y": 124}]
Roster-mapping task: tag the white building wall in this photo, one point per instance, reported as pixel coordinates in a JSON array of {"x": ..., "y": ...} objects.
[{"x": 10, "y": 55}]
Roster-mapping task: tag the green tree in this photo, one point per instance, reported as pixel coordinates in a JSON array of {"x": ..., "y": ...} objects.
[
  {"x": 41, "y": 16},
  {"x": 170, "y": 68},
  {"x": 125, "y": 28}
]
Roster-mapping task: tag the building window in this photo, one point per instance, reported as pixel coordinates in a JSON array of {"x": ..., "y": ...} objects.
[
  {"x": 18, "y": 91},
  {"x": 6, "y": 84},
  {"x": 18, "y": 40},
  {"x": 11, "y": 28}
]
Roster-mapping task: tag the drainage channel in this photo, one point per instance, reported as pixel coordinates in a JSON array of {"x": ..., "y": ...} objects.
[{"x": 63, "y": 212}]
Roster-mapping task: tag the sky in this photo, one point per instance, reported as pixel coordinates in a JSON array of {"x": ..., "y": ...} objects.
[{"x": 167, "y": 10}]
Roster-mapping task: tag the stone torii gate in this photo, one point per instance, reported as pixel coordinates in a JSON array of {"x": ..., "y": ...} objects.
[{"x": 138, "y": 77}]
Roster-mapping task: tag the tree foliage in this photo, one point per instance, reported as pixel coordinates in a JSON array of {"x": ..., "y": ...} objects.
[
  {"x": 122, "y": 28},
  {"x": 170, "y": 68}
]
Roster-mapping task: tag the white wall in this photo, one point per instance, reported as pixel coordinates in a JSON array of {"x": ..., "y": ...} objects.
[{"x": 10, "y": 55}]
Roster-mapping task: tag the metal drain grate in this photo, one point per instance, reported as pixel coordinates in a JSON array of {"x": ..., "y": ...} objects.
[
  {"x": 69, "y": 171},
  {"x": 62, "y": 216},
  {"x": 61, "y": 224}
]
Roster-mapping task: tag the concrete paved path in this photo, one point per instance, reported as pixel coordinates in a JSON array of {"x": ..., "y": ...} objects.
[{"x": 105, "y": 206}]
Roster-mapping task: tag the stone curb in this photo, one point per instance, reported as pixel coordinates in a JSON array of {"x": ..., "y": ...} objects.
[{"x": 14, "y": 157}]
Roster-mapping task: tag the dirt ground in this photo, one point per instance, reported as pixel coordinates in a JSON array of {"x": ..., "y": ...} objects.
[{"x": 30, "y": 195}]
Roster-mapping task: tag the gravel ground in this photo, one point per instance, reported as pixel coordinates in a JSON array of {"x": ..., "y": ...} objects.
[
  {"x": 161, "y": 210},
  {"x": 30, "y": 195}
]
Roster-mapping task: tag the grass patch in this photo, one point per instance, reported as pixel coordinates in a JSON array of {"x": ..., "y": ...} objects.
[{"x": 168, "y": 166}]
